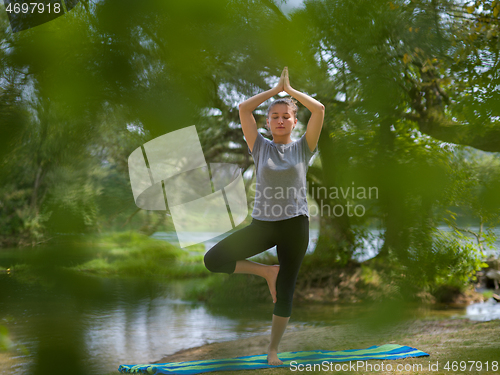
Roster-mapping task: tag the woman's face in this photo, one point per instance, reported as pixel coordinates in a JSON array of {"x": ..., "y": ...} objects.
[{"x": 281, "y": 120}]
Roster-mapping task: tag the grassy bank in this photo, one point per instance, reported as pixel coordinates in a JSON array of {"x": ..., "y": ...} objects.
[
  {"x": 114, "y": 254},
  {"x": 135, "y": 254},
  {"x": 132, "y": 254}
]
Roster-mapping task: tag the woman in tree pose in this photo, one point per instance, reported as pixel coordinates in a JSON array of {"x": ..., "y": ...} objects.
[{"x": 280, "y": 214}]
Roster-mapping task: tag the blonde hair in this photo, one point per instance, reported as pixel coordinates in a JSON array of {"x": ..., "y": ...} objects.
[{"x": 291, "y": 102}]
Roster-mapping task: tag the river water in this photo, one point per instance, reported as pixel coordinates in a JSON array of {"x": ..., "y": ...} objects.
[{"x": 100, "y": 323}]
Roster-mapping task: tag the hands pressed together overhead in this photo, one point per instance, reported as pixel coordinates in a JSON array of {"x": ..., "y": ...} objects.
[
  {"x": 317, "y": 109},
  {"x": 314, "y": 125},
  {"x": 284, "y": 82}
]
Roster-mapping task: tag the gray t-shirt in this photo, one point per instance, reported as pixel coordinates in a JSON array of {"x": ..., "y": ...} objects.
[{"x": 281, "y": 187}]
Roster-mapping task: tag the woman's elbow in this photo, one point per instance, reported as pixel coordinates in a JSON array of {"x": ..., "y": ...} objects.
[{"x": 320, "y": 109}]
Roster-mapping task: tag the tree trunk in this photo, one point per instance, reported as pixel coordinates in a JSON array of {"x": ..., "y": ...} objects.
[
  {"x": 36, "y": 186},
  {"x": 336, "y": 238},
  {"x": 391, "y": 200}
]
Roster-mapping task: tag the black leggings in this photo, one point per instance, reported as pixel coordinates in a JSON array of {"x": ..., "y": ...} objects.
[{"x": 291, "y": 236}]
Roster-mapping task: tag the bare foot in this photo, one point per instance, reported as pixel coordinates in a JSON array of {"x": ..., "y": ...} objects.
[
  {"x": 271, "y": 280},
  {"x": 272, "y": 358}
]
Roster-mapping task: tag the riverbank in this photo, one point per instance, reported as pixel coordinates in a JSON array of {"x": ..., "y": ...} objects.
[
  {"x": 125, "y": 254},
  {"x": 116, "y": 254},
  {"x": 122, "y": 255},
  {"x": 446, "y": 340}
]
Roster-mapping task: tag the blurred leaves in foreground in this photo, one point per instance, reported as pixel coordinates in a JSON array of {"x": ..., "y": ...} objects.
[{"x": 411, "y": 97}]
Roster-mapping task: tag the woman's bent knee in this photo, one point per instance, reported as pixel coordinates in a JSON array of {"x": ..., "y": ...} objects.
[
  {"x": 214, "y": 263},
  {"x": 210, "y": 263}
]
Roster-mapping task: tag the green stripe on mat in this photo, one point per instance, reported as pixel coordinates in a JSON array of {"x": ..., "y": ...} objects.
[{"x": 252, "y": 362}]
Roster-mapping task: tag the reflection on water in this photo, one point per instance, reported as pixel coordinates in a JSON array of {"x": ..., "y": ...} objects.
[
  {"x": 118, "y": 321},
  {"x": 100, "y": 323},
  {"x": 157, "y": 328},
  {"x": 128, "y": 321}
]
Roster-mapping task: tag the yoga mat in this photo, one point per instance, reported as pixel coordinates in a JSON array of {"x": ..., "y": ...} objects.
[{"x": 252, "y": 362}]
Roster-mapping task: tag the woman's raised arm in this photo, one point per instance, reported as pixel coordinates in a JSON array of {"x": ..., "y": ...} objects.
[
  {"x": 316, "y": 108},
  {"x": 248, "y": 123}
]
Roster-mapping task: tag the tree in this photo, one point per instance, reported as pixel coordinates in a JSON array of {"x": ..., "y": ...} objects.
[{"x": 388, "y": 82}]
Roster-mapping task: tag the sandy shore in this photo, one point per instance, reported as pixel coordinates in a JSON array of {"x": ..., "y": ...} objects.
[{"x": 446, "y": 340}]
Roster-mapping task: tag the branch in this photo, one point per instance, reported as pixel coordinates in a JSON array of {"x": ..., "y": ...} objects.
[
  {"x": 130, "y": 217},
  {"x": 271, "y": 5},
  {"x": 477, "y": 235},
  {"x": 440, "y": 128}
]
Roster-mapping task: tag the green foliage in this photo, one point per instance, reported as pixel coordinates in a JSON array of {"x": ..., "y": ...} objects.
[
  {"x": 436, "y": 261},
  {"x": 206, "y": 289},
  {"x": 5, "y": 342},
  {"x": 18, "y": 225},
  {"x": 71, "y": 208},
  {"x": 393, "y": 94},
  {"x": 478, "y": 176},
  {"x": 397, "y": 78},
  {"x": 487, "y": 294},
  {"x": 370, "y": 276},
  {"x": 231, "y": 291}
]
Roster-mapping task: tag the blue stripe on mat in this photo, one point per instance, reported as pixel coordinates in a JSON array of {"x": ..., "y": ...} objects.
[{"x": 252, "y": 362}]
